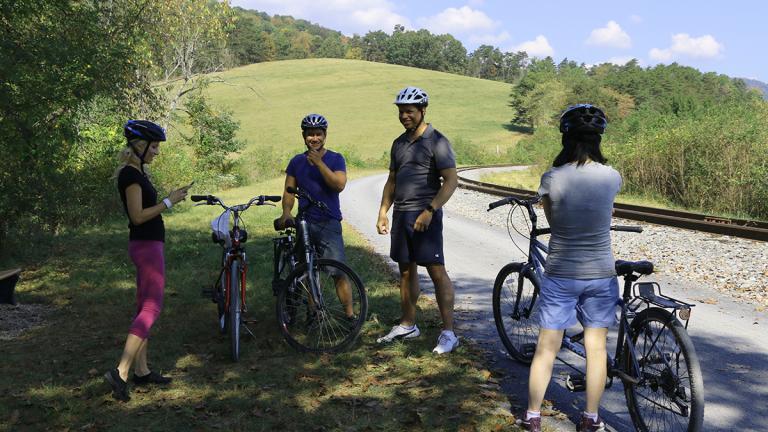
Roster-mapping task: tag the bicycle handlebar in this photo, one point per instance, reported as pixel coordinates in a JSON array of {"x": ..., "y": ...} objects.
[
  {"x": 513, "y": 199},
  {"x": 627, "y": 228},
  {"x": 257, "y": 200},
  {"x": 301, "y": 194}
]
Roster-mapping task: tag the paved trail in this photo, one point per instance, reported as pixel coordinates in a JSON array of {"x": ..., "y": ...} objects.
[{"x": 729, "y": 337}]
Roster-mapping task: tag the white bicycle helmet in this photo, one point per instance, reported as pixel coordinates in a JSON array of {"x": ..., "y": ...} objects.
[{"x": 412, "y": 96}]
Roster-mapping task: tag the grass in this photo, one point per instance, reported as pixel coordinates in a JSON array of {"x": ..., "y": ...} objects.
[
  {"x": 52, "y": 373},
  {"x": 270, "y": 99}
]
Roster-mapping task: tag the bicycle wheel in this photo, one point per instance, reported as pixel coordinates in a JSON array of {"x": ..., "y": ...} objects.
[
  {"x": 513, "y": 312},
  {"x": 234, "y": 312},
  {"x": 670, "y": 394},
  {"x": 328, "y": 327}
]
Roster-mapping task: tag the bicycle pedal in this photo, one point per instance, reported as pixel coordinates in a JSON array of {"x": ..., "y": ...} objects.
[{"x": 576, "y": 383}]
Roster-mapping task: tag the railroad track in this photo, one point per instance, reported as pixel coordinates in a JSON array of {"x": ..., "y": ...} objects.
[{"x": 749, "y": 229}]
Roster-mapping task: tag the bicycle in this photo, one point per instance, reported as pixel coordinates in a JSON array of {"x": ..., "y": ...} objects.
[
  {"x": 655, "y": 358},
  {"x": 228, "y": 290},
  {"x": 314, "y": 314}
]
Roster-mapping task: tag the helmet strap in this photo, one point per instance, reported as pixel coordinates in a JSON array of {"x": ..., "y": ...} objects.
[{"x": 140, "y": 156}]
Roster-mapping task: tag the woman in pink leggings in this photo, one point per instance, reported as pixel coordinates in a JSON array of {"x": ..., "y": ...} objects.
[{"x": 147, "y": 240}]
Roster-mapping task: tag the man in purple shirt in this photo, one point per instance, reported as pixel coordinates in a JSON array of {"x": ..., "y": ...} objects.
[{"x": 322, "y": 174}]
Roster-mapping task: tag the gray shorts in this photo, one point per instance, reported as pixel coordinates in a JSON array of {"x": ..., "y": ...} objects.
[
  {"x": 328, "y": 241},
  {"x": 563, "y": 302}
]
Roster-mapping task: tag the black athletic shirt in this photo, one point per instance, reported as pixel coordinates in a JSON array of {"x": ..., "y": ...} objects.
[{"x": 153, "y": 229}]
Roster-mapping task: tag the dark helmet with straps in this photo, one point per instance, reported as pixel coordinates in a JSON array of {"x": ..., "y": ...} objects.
[
  {"x": 314, "y": 121},
  {"x": 143, "y": 129},
  {"x": 583, "y": 118}
]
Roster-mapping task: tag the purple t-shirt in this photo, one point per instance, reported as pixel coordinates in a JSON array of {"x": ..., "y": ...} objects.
[{"x": 309, "y": 179}]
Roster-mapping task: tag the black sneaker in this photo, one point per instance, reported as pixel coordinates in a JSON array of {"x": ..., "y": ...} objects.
[
  {"x": 588, "y": 425},
  {"x": 151, "y": 378},
  {"x": 119, "y": 387}
]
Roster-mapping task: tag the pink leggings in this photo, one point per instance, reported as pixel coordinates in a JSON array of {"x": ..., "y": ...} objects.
[{"x": 147, "y": 256}]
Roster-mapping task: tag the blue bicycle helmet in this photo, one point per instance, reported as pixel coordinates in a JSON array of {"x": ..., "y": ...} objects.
[
  {"x": 412, "y": 96},
  {"x": 314, "y": 121},
  {"x": 583, "y": 118},
  {"x": 143, "y": 129}
]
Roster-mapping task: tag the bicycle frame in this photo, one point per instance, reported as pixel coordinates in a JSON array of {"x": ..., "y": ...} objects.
[
  {"x": 231, "y": 254},
  {"x": 534, "y": 266}
]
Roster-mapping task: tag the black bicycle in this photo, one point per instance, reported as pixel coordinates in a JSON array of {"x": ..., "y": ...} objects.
[
  {"x": 321, "y": 303},
  {"x": 228, "y": 290},
  {"x": 655, "y": 358}
]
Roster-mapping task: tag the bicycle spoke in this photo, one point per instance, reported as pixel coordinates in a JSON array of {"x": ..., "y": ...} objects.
[{"x": 327, "y": 327}]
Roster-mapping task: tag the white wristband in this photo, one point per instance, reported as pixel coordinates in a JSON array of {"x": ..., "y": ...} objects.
[{"x": 167, "y": 202}]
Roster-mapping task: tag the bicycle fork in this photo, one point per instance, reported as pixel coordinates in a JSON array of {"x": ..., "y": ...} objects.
[{"x": 316, "y": 296}]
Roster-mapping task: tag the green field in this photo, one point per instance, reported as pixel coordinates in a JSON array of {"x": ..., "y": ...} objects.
[{"x": 270, "y": 99}]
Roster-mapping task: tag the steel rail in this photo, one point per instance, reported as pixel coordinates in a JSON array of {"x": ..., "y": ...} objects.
[{"x": 743, "y": 228}]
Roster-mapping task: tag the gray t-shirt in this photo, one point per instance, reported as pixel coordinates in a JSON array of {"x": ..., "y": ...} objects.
[
  {"x": 582, "y": 205},
  {"x": 417, "y": 168}
]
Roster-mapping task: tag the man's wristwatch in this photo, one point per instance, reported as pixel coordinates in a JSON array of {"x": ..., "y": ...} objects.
[{"x": 430, "y": 209}]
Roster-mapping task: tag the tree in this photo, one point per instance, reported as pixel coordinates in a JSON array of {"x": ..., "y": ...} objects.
[
  {"x": 64, "y": 54},
  {"x": 331, "y": 47},
  {"x": 190, "y": 36},
  {"x": 374, "y": 46},
  {"x": 486, "y": 62},
  {"x": 453, "y": 55},
  {"x": 213, "y": 138}
]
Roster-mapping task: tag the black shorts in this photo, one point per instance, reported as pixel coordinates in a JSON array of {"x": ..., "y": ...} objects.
[{"x": 409, "y": 246}]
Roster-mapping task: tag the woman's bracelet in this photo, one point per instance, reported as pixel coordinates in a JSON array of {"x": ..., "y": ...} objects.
[{"x": 167, "y": 202}]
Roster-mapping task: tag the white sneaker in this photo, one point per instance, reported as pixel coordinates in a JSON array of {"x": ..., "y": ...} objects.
[
  {"x": 446, "y": 342},
  {"x": 400, "y": 332}
]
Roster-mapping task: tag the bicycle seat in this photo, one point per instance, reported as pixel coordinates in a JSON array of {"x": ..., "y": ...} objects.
[
  {"x": 624, "y": 268},
  {"x": 290, "y": 223}
]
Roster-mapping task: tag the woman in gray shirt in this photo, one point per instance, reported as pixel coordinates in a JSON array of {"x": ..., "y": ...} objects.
[{"x": 579, "y": 283}]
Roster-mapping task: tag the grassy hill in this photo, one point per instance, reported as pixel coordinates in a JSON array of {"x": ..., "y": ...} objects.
[{"x": 270, "y": 99}]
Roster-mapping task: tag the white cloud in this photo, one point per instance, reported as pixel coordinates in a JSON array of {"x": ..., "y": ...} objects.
[
  {"x": 458, "y": 20},
  {"x": 377, "y": 19},
  {"x": 490, "y": 39},
  {"x": 611, "y": 36},
  {"x": 348, "y": 16},
  {"x": 637, "y": 19},
  {"x": 538, "y": 47},
  {"x": 683, "y": 45}
]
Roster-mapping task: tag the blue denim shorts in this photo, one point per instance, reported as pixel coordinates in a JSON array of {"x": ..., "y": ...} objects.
[
  {"x": 420, "y": 247},
  {"x": 326, "y": 236},
  {"x": 563, "y": 302}
]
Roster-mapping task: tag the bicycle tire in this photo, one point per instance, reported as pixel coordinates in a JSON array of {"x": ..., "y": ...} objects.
[
  {"x": 234, "y": 312},
  {"x": 518, "y": 333},
  {"x": 308, "y": 328},
  {"x": 220, "y": 299},
  {"x": 669, "y": 372}
]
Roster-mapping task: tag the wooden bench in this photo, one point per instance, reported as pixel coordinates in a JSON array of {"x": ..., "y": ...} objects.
[{"x": 8, "y": 279}]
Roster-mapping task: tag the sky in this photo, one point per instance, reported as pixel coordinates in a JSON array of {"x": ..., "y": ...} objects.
[{"x": 712, "y": 36}]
